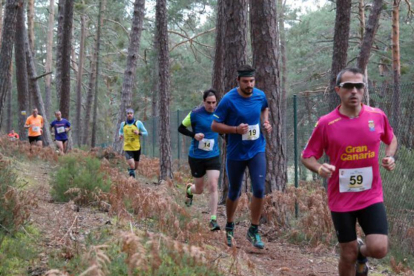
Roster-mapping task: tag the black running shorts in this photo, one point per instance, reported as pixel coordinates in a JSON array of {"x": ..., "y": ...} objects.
[
  {"x": 372, "y": 219},
  {"x": 35, "y": 138},
  {"x": 133, "y": 154},
  {"x": 200, "y": 166}
]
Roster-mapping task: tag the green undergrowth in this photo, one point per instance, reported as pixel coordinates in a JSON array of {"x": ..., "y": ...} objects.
[
  {"x": 78, "y": 178},
  {"x": 19, "y": 252}
]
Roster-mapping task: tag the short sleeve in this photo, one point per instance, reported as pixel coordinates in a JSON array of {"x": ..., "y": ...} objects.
[
  {"x": 388, "y": 134},
  {"x": 187, "y": 120},
  {"x": 67, "y": 123},
  {"x": 220, "y": 115},
  {"x": 52, "y": 124},
  {"x": 316, "y": 143},
  {"x": 27, "y": 121}
]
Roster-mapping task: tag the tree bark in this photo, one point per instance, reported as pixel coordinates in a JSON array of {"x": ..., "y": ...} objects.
[
  {"x": 30, "y": 24},
  {"x": 263, "y": 25},
  {"x": 164, "y": 76},
  {"x": 102, "y": 4},
  {"x": 59, "y": 48},
  {"x": 235, "y": 55},
  {"x": 21, "y": 72},
  {"x": 396, "y": 67},
  {"x": 131, "y": 68},
  {"x": 49, "y": 57},
  {"x": 369, "y": 34},
  {"x": 65, "y": 63},
  {"x": 284, "y": 79},
  {"x": 6, "y": 51},
  {"x": 78, "y": 125},
  {"x": 9, "y": 118},
  {"x": 235, "y": 42},
  {"x": 1, "y": 19},
  {"x": 35, "y": 90},
  {"x": 218, "y": 66},
  {"x": 340, "y": 46},
  {"x": 91, "y": 89}
]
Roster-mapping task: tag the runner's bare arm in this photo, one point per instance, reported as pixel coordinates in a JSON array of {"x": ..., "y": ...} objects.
[
  {"x": 388, "y": 162},
  {"x": 265, "y": 120},
  {"x": 223, "y": 128},
  {"x": 325, "y": 170}
]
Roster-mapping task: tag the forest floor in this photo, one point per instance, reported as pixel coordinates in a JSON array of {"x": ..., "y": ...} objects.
[{"x": 59, "y": 223}]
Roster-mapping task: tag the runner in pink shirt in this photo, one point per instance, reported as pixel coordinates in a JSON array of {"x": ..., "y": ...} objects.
[{"x": 351, "y": 136}]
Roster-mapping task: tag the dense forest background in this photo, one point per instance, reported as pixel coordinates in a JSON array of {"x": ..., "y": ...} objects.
[{"x": 307, "y": 32}]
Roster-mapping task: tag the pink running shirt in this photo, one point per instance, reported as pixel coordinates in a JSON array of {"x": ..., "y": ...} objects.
[{"x": 353, "y": 148}]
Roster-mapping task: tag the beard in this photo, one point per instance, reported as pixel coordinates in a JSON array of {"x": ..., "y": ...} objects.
[{"x": 247, "y": 91}]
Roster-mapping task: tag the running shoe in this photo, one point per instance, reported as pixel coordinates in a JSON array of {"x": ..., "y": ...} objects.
[
  {"x": 254, "y": 237},
  {"x": 131, "y": 172},
  {"x": 189, "y": 198},
  {"x": 214, "y": 225},
  {"x": 230, "y": 235},
  {"x": 361, "y": 264}
]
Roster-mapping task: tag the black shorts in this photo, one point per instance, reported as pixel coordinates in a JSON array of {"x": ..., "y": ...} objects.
[
  {"x": 200, "y": 166},
  {"x": 372, "y": 219},
  {"x": 63, "y": 141},
  {"x": 133, "y": 154},
  {"x": 35, "y": 138}
]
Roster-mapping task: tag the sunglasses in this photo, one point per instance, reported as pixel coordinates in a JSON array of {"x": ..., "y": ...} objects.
[{"x": 351, "y": 85}]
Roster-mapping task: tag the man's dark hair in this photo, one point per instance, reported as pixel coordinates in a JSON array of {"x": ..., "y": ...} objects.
[
  {"x": 350, "y": 69},
  {"x": 208, "y": 93},
  {"x": 245, "y": 71}
]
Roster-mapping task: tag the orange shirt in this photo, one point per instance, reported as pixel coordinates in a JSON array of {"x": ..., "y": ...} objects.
[
  {"x": 36, "y": 125},
  {"x": 14, "y": 135}
]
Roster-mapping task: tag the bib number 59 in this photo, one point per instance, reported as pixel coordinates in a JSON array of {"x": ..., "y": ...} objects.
[{"x": 356, "y": 180}]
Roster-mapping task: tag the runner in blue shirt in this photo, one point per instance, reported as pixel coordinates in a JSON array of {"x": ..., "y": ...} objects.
[
  {"x": 242, "y": 114},
  {"x": 62, "y": 127},
  {"x": 204, "y": 154}
]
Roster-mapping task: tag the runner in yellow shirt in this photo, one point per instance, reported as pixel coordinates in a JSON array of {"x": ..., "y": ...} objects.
[{"x": 130, "y": 131}]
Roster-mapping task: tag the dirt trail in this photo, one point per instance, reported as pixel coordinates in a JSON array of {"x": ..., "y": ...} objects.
[{"x": 61, "y": 224}]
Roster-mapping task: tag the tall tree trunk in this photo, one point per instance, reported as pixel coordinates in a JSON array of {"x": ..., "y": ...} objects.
[
  {"x": 65, "y": 63},
  {"x": 102, "y": 4},
  {"x": 30, "y": 24},
  {"x": 9, "y": 118},
  {"x": 263, "y": 23},
  {"x": 49, "y": 57},
  {"x": 35, "y": 90},
  {"x": 78, "y": 125},
  {"x": 164, "y": 86},
  {"x": 396, "y": 67},
  {"x": 282, "y": 38},
  {"x": 21, "y": 72},
  {"x": 235, "y": 55},
  {"x": 131, "y": 68},
  {"x": 340, "y": 46},
  {"x": 369, "y": 34},
  {"x": 6, "y": 51},
  {"x": 1, "y": 19},
  {"x": 59, "y": 48},
  {"x": 91, "y": 88},
  {"x": 218, "y": 66}
]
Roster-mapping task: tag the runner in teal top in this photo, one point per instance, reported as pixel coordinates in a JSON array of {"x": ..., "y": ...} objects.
[{"x": 204, "y": 154}]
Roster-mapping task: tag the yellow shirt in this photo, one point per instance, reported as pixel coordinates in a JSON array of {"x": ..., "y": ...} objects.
[
  {"x": 36, "y": 125},
  {"x": 131, "y": 140}
]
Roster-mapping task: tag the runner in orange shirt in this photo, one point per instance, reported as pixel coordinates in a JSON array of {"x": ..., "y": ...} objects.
[
  {"x": 35, "y": 124},
  {"x": 13, "y": 135}
]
